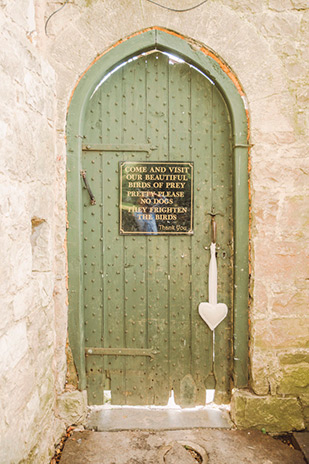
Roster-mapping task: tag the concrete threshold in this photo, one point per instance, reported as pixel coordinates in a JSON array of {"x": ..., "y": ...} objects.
[{"x": 134, "y": 418}]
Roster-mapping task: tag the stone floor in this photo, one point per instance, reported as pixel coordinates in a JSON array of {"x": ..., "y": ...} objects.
[
  {"x": 147, "y": 436},
  {"x": 219, "y": 446}
]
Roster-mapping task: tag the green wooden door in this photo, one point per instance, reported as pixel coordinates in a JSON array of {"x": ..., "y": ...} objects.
[{"x": 143, "y": 334}]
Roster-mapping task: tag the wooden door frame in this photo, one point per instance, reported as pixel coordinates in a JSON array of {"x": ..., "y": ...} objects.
[{"x": 210, "y": 64}]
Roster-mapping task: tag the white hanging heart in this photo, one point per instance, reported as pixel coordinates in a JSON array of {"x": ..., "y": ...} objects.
[{"x": 212, "y": 314}]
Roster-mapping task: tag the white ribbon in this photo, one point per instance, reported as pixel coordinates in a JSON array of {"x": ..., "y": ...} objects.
[{"x": 213, "y": 276}]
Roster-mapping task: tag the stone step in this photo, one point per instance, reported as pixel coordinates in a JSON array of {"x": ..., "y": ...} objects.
[
  {"x": 103, "y": 420},
  {"x": 302, "y": 443}
]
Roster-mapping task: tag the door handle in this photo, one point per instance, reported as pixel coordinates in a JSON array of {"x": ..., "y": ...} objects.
[{"x": 92, "y": 198}]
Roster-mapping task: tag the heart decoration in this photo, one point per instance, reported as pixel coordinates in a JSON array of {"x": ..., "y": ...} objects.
[{"x": 212, "y": 312}]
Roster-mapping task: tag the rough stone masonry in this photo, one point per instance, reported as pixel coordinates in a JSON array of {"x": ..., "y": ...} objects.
[{"x": 266, "y": 45}]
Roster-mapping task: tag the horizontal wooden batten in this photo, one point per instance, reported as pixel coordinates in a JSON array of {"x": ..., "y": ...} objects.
[
  {"x": 121, "y": 352},
  {"x": 146, "y": 148}
]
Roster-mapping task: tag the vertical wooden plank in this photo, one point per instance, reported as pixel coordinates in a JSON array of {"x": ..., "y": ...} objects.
[
  {"x": 180, "y": 246},
  {"x": 113, "y": 299},
  {"x": 222, "y": 200},
  {"x": 92, "y": 278},
  {"x": 157, "y": 246},
  {"x": 92, "y": 128},
  {"x": 113, "y": 279},
  {"x": 134, "y": 130},
  {"x": 91, "y": 163},
  {"x": 202, "y": 355}
]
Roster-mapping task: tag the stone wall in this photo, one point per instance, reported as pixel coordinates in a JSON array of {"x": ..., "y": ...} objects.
[
  {"x": 265, "y": 43},
  {"x": 32, "y": 361}
]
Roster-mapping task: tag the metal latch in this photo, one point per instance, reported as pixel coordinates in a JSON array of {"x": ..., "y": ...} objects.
[
  {"x": 122, "y": 351},
  {"x": 92, "y": 198}
]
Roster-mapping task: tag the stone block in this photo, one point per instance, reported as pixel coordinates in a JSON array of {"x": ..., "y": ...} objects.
[
  {"x": 19, "y": 383},
  {"x": 266, "y": 209},
  {"x": 46, "y": 391},
  {"x": 249, "y": 5},
  {"x": 300, "y": 4},
  {"x": 72, "y": 379},
  {"x": 72, "y": 407},
  {"x": 80, "y": 54},
  {"x": 288, "y": 183},
  {"x": 23, "y": 301},
  {"x": 260, "y": 307},
  {"x": 293, "y": 219},
  {"x": 41, "y": 242},
  {"x": 295, "y": 357},
  {"x": 13, "y": 346},
  {"x": 7, "y": 317},
  {"x": 263, "y": 364},
  {"x": 304, "y": 400},
  {"x": 280, "y": 5},
  {"x": 288, "y": 298},
  {"x": 280, "y": 333},
  {"x": 295, "y": 380},
  {"x": 274, "y": 259},
  {"x": 272, "y": 413}
]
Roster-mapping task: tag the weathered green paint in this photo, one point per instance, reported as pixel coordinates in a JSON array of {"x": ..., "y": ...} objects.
[{"x": 142, "y": 322}]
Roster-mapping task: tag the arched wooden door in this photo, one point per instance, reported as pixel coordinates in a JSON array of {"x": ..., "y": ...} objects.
[{"x": 140, "y": 288}]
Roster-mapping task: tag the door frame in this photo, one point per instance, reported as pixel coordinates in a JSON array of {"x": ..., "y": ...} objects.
[{"x": 210, "y": 64}]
